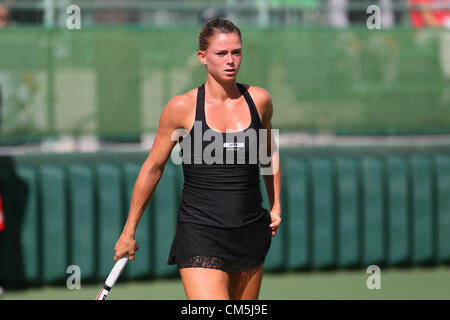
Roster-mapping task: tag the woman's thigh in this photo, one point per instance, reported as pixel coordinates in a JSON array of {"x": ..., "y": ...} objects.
[
  {"x": 245, "y": 285},
  {"x": 205, "y": 283}
]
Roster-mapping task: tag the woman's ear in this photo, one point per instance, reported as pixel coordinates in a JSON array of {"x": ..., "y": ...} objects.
[{"x": 201, "y": 56}]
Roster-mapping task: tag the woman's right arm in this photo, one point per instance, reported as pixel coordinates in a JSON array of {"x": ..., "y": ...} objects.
[{"x": 150, "y": 174}]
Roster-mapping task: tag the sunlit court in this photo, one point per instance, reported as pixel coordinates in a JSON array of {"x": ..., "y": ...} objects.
[{"x": 243, "y": 150}]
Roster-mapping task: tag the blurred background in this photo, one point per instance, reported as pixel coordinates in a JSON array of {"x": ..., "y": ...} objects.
[{"x": 362, "y": 104}]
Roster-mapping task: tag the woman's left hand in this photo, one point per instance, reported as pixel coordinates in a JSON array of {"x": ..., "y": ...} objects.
[{"x": 275, "y": 217}]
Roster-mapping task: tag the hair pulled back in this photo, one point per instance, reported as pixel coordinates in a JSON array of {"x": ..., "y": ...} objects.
[{"x": 212, "y": 26}]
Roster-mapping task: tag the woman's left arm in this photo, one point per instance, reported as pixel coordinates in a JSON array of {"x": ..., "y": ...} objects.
[{"x": 271, "y": 170}]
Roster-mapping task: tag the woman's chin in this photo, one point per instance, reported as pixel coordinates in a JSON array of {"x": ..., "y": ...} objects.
[{"x": 229, "y": 77}]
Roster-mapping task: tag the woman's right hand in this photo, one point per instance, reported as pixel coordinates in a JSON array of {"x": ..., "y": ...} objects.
[{"x": 125, "y": 245}]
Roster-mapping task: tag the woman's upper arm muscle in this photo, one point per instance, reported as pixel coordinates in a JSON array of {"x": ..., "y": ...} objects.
[
  {"x": 266, "y": 122},
  {"x": 264, "y": 104}
]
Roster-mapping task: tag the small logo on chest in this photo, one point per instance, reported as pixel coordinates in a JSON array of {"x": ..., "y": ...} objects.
[{"x": 231, "y": 146}]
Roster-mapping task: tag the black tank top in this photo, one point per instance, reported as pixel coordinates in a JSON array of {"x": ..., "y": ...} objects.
[{"x": 221, "y": 193}]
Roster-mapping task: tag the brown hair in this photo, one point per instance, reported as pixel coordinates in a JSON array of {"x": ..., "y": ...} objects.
[{"x": 215, "y": 25}]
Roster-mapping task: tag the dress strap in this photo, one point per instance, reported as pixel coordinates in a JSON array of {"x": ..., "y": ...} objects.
[
  {"x": 253, "y": 111},
  {"x": 200, "y": 107}
]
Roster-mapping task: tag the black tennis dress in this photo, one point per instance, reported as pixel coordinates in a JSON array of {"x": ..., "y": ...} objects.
[{"x": 221, "y": 222}]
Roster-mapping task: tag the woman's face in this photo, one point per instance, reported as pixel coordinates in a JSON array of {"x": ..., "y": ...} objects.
[{"x": 223, "y": 56}]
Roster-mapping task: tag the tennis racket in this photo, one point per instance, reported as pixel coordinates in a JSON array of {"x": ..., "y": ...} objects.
[{"x": 112, "y": 277}]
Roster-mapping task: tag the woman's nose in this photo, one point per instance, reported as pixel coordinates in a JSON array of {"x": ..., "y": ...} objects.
[{"x": 230, "y": 58}]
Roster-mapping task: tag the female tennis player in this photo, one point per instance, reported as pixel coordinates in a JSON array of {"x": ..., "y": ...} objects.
[{"x": 223, "y": 233}]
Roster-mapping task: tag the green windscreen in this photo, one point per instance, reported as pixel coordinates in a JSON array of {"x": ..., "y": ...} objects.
[{"x": 116, "y": 81}]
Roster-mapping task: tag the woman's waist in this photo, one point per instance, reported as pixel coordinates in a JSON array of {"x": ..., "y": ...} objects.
[
  {"x": 232, "y": 215},
  {"x": 210, "y": 187}
]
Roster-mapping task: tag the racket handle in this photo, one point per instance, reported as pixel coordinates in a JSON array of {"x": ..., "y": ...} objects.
[
  {"x": 103, "y": 293},
  {"x": 112, "y": 277}
]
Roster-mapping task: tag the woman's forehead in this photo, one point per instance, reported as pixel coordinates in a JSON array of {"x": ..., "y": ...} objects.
[{"x": 222, "y": 40}]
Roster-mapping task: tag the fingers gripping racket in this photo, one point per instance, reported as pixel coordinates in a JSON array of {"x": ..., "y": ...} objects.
[{"x": 112, "y": 277}]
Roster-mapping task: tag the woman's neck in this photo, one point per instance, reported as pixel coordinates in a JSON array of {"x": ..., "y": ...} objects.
[{"x": 221, "y": 91}]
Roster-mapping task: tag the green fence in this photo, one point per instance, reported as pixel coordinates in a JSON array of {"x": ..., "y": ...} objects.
[
  {"x": 342, "y": 208},
  {"x": 115, "y": 82}
]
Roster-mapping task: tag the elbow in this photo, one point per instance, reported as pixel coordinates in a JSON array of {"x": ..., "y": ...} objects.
[{"x": 154, "y": 169}]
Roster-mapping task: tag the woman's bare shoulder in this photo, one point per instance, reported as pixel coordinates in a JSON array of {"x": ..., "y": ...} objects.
[
  {"x": 258, "y": 93},
  {"x": 181, "y": 107},
  {"x": 263, "y": 101},
  {"x": 183, "y": 101}
]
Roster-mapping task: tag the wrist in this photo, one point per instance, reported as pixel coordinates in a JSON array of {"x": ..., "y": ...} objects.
[
  {"x": 276, "y": 207},
  {"x": 128, "y": 232}
]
